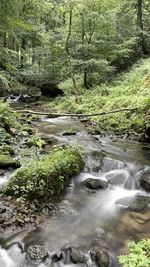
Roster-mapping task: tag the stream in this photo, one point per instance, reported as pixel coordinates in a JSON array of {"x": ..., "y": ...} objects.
[{"x": 90, "y": 218}]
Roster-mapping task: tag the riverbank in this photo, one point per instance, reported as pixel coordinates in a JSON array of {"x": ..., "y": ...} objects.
[{"x": 129, "y": 90}]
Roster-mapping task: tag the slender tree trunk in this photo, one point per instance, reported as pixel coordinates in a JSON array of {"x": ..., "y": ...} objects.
[
  {"x": 85, "y": 80},
  {"x": 23, "y": 47},
  {"x": 140, "y": 28},
  {"x": 71, "y": 74},
  {"x": 23, "y": 39},
  {"x": 85, "y": 74}
]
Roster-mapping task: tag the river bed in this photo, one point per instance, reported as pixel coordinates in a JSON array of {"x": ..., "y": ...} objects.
[{"x": 90, "y": 218}]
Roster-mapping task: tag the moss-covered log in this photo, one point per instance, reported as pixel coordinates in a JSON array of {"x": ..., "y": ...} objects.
[{"x": 46, "y": 177}]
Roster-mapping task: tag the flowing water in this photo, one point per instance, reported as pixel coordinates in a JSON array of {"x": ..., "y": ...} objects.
[{"x": 90, "y": 218}]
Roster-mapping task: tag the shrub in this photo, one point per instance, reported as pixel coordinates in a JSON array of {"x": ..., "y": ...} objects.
[{"x": 139, "y": 255}]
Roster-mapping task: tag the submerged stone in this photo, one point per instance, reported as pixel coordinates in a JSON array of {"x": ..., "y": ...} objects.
[{"x": 95, "y": 184}]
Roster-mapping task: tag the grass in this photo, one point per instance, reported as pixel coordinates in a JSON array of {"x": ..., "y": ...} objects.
[{"x": 128, "y": 90}]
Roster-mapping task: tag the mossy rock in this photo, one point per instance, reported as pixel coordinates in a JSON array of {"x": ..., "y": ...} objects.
[
  {"x": 6, "y": 149},
  {"x": 7, "y": 161},
  {"x": 45, "y": 177}
]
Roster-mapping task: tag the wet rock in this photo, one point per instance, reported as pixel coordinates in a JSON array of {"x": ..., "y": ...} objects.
[
  {"x": 84, "y": 120},
  {"x": 2, "y": 173},
  {"x": 134, "y": 203},
  {"x": 77, "y": 256},
  {"x": 69, "y": 133},
  {"x": 109, "y": 164},
  {"x": 57, "y": 256},
  {"x": 100, "y": 257},
  {"x": 49, "y": 140},
  {"x": 116, "y": 178},
  {"x": 6, "y": 161},
  {"x": 145, "y": 181},
  {"x": 2, "y": 209},
  {"x": 95, "y": 184},
  {"x": 36, "y": 253},
  {"x": 2, "y": 219}
]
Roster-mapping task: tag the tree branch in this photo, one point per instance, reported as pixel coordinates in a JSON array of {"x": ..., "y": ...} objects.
[{"x": 48, "y": 114}]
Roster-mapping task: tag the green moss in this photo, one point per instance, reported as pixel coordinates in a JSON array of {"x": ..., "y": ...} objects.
[
  {"x": 138, "y": 256},
  {"x": 46, "y": 177},
  {"x": 6, "y": 149},
  {"x": 7, "y": 161}
]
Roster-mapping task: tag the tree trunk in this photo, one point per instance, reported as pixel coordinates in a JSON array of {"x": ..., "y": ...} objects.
[
  {"x": 71, "y": 74},
  {"x": 85, "y": 80},
  {"x": 23, "y": 40},
  {"x": 140, "y": 28},
  {"x": 23, "y": 47}
]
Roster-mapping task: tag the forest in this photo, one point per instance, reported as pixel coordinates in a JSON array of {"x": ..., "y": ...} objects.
[{"x": 74, "y": 133}]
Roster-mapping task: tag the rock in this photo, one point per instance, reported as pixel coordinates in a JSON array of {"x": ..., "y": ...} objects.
[
  {"x": 145, "y": 181},
  {"x": 69, "y": 133},
  {"x": 77, "y": 256},
  {"x": 13, "y": 131},
  {"x": 57, "y": 256},
  {"x": 2, "y": 209},
  {"x": 2, "y": 173},
  {"x": 134, "y": 203},
  {"x": 2, "y": 220},
  {"x": 37, "y": 253},
  {"x": 50, "y": 140},
  {"x": 95, "y": 183},
  {"x": 52, "y": 175},
  {"x": 116, "y": 178},
  {"x": 100, "y": 257},
  {"x": 6, "y": 161},
  {"x": 109, "y": 164}
]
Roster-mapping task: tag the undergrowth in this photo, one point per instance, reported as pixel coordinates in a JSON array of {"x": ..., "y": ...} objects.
[
  {"x": 139, "y": 255},
  {"x": 129, "y": 90}
]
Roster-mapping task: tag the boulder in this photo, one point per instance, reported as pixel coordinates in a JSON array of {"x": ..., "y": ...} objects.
[
  {"x": 134, "y": 203},
  {"x": 109, "y": 164},
  {"x": 77, "y": 256},
  {"x": 145, "y": 181},
  {"x": 45, "y": 177},
  {"x": 95, "y": 184},
  {"x": 36, "y": 253},
  {"x": 117, "y": 177},
  {"x": 100, "y": 257},
  {"x": 6, "y": 161}
]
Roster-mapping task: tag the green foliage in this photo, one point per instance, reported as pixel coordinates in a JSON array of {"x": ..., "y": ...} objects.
[
  {"x": 7, "y": 115},
  {"x": 45, "y": 177},
  {"x": 139, "y": 255},
  {"x": 103, "y": 38},
  {"x": 129, "y": 90}
]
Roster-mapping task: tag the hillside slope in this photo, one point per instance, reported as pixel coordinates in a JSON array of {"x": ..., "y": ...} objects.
[{"x": 129, "y": 90}]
